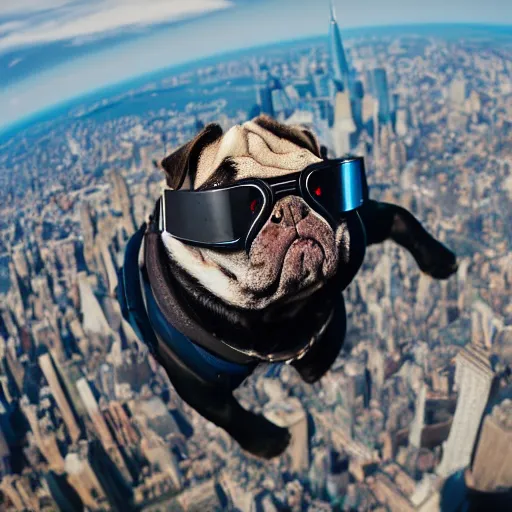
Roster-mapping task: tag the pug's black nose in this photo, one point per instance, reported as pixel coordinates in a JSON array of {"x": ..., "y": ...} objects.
[{"x": 289, "y": 211}]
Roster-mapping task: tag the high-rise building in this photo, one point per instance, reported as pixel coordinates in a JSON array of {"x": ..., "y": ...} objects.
[
  {"x": 63, "y": 493},
  {"x": 402, "y": 122},
  {"x": 264, "y": 99},
  {"x": 280, "y": 102},
  {"x": 121, "y": 200},
  {"x": 109, "y": 266},
  {"x": 5, "y": 455},
  {"x": 344, "y": 126},
  {"x": 339, "y": 64},
  {"x": 238, "y": 498},
  {"x": 158, "y": 454},
  {"x": 491, "y": 469},
  {"x": 89, "y": 231},
  {"x": 112, "y": 475},
  {"x": 101, "y": 426},
  {"x": 43, "y": 436},
  {"x": 94, "y": 320},
  {"x": 18, "y": 489},
  {"x": 200, "y": 497},
  {"x": 368, "y": 107},
  {"x": 457, "y": 93},
  {"x": 357, "y": 102},
  {"x": 474, "y": 377},
  {"x": 19, "y": 258},
  {"x": 60, "y": 394},
  {"x": 380, "y": 82},
  {"x": 397, "y": 154},
  {"x": 273, "y": 98},
  {"x": 343, "y": 116},
  {"x": 291, "y": 414},
  {"x": 418, "y": 423},
  {"x": 83, "y": 479},
  {"x": 107, "y": 380},
  {"x": 369, "y": 81},
  {"x": 338, "y": 476},
  {"x": 484, "y": 325},
  {"x": 321, "y": 84}
]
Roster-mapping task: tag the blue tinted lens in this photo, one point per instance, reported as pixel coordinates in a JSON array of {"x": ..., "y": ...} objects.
[
  {"x": 354, "y": 189},
  {"x": 339, "y": 189}
]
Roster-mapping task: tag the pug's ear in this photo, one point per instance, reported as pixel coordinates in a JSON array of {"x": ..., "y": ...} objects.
[
  {"x": 183, "y": 162},
  {"x": 315, "y": 144},
  {"x": 299, "y": 135}
]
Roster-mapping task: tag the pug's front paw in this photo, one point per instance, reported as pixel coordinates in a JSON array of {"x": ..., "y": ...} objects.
[
  {"x": 264, "y": 439},
  {"x": 436, "y": 260}
]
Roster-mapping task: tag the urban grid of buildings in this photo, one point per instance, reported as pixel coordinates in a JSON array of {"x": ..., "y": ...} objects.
[{"x": 419, "y": 400}]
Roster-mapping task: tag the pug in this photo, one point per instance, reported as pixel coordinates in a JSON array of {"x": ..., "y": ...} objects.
[{"x": 211, "y": 314}]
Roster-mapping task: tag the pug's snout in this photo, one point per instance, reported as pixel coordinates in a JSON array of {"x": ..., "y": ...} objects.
[
  {"x": 289, "y": 211},
  {"x": 295, "y": 246}
]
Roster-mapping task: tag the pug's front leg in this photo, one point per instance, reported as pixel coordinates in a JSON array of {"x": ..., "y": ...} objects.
[
  {"x": 253, "y": 432},
  {"x": 216, "y": 403},
  {"x": 384, "y": 221}
]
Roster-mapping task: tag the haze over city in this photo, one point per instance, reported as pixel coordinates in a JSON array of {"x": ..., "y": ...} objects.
[
  {"x": 54, "y": 50},
  {"x": 415, "y": 414}
]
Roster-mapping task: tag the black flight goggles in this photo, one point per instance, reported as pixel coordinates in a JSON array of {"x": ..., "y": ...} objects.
[{"x": 230, "y": 217}]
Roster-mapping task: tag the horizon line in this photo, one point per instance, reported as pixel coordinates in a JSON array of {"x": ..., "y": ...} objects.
[{"x": 15, "y": 127}]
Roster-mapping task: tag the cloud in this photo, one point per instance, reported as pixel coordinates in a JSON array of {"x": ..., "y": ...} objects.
[
  {"x": 16, "y": 7},
  {"x": 34, "y": 22},
  {"x": 14, "y": 62}
]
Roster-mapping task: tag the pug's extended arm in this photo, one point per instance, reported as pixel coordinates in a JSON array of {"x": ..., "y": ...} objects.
[{"x": 384, "y": 221}]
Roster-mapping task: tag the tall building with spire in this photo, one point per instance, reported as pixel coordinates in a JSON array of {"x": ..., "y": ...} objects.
[{"x": 339, "y": 64}]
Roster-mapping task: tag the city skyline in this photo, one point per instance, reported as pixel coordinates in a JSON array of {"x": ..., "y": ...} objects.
[{"x": 42, "y": 67}]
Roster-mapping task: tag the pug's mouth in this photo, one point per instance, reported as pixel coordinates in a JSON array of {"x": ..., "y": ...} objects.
[
  {"x": 302, "y": 261},
  {"x": 293, "y": 265}
]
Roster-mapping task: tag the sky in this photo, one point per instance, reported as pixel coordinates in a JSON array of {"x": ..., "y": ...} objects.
[{"x": 54, "y": 50}]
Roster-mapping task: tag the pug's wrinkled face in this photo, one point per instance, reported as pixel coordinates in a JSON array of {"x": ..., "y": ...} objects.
[{"x": 295, "y": 252}]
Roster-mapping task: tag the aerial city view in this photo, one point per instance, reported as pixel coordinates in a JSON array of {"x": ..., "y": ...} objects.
[{"x": 416, "y": 413}]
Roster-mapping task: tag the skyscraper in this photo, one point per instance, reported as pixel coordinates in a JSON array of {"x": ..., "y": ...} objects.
[
  {"x": 264, "y": 93},
  {"x": 291, "y": 414},
  {"x": 82, "y": 477},
  {"x": 338, "y": 475},
  {"x": 203, "y": 496},
  {"x": 380, "y": 81},
  {"x": 121, "y": 200},
  {"x": 339, "y": 64},
  {"x": 61, "y": 396},
  {"x": 272, "y": 97},
  {"x": 101, "y": 426},
  {"x": 321, "y": 82},
  {"x": 457, "y": 93},
  {"x": 62, "y": 492},
  {"x": 94, "y": 320},
  {"x": 5, "y": 455},
  {"x": 264, "y": 99},
  {"x": 344, "y": 126},
  {"x": 492, "y": 469},
  {"x": 418, "y": 423},
  {"x": 474, "y": 377}
]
